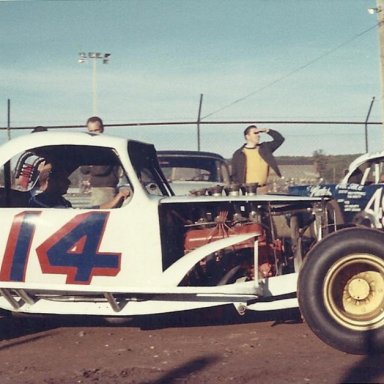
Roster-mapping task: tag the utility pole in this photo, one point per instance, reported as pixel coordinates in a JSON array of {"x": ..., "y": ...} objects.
[
  {"x": 94, "y": 56},
  {"x": 380, "y": 17}
]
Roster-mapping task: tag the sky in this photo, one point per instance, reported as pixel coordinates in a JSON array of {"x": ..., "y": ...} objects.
[{"x": 252, "y": 60}]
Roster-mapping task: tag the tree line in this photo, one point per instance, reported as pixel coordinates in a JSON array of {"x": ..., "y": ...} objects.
[{"x": 331, "y": 168}]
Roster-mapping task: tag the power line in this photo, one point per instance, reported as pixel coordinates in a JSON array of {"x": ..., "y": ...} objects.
[
  {"x": 230, "y": 122},
  {"x": 298, "y": 69}
]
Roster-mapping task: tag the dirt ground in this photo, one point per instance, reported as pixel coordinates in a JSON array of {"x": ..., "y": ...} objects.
[{"x": 182, "y": 348}]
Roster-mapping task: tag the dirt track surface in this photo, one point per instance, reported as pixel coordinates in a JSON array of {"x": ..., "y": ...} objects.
[{"x": 183, "y": 348}]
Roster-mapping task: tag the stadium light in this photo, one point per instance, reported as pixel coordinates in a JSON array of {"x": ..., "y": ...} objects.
[
  {"x": 372, "y": 11},
  {"x": 94, "y": 56}
]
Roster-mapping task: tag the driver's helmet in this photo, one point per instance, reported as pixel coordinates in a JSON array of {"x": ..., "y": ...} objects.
[{"x": 27, "y": 170}]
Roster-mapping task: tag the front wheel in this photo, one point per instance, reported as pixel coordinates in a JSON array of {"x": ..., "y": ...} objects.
[{"x": 341, "y": 290}]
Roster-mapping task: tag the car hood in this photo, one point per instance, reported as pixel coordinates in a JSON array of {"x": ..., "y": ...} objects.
[
  {"x": 261, "y": 198},
  {"x": 183, "y": 188}
]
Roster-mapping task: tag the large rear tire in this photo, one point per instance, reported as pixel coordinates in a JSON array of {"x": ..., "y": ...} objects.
[{"x": 341, "y": 290}]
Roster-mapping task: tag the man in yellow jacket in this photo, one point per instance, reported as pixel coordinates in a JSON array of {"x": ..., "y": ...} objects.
[{"x": 251, "y": 162}]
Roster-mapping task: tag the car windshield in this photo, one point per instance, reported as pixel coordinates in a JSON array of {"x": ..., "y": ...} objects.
[
  {"x": 144, "y": 161},
  {"x": 192, "y": 169},
  {"x": 371, "y": 172}
]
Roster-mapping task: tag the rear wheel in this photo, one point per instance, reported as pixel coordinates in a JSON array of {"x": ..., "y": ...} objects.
[{"x": 341, "y": 290}]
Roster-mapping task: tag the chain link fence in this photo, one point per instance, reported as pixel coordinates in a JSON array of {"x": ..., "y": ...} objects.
[{"x": 302, "y": 140}]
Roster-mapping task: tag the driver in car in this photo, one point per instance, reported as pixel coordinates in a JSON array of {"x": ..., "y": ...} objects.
[{"x": 57, "y": 186}]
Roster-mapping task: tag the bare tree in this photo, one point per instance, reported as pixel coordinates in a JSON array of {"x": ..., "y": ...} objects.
[{"x": 320, "y": 161}]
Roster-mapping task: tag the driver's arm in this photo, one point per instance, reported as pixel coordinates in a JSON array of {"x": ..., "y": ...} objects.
[{"x": 121, "y": 196}]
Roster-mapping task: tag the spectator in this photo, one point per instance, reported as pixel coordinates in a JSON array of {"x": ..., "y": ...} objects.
[
  {"x": 251, "y": 162},
  {"x": 95, "y": 125},
  {"x": 103, "y": 178}
]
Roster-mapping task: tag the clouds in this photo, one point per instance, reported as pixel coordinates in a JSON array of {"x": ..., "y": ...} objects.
[{"x": 152, "y": 93}]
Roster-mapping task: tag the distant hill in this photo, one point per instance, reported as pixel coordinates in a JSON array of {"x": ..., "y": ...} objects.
[
  {"x": 291, "y": 160},
  {"x": 295, "y": 160}
]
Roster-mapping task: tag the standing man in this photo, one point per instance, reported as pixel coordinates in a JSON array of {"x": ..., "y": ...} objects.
[
  {"x": 251, "y": 162},
  {"x": 95, "y": 125},
  {"x": 103, "y": 178}
]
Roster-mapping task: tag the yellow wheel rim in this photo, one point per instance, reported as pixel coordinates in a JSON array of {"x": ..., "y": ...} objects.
[{"x": 354, "y": 291}]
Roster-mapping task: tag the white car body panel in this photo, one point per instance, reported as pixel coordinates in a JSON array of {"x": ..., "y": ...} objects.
[{"x": 130, "y": 238}]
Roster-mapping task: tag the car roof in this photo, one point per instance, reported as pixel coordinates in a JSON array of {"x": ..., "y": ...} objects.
[
  {"x": 175, "y": 153},
  {"x": 366, "y": 157},
  {"x": 40, "y": 139},
  {"x": 48, "y": 139}
]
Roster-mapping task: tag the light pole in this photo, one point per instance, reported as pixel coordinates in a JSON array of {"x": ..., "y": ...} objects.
[
  {"x": 94, "y": 56},
  {"x": 380, "y": 17}
]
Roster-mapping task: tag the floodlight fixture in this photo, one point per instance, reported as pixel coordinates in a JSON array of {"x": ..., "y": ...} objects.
[
  {"x": 93, "y": 56},
  {"x": 372, "y": 11}
]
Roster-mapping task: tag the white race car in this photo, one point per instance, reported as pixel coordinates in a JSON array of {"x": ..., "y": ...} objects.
[{"x": 156, "y": 252}]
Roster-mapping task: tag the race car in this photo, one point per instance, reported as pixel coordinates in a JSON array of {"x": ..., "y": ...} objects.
[
  {"x": 358, "y": 198},
  {"x": 156, "y": 252}
]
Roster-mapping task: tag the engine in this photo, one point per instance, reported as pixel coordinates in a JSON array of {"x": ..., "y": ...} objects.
[
  {"x": 285, "y": 233},
  {"x": 235, "y": 262}
]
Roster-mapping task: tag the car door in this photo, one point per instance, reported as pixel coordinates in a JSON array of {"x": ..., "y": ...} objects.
[{"x": 54, "y": 248}]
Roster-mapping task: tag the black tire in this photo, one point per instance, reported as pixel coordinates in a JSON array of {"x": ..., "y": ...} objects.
[{"x": 341, "y": 290}]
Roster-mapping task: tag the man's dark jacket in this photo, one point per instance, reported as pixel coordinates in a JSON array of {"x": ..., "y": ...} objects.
[{"x": 266, "y": 150}]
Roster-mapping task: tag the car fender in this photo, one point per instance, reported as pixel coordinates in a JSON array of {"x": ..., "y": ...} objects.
[{"x": 176, "y": 272}]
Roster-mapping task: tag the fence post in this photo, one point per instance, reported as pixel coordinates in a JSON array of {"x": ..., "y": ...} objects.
[
  {"x": 198, "y": 122},
  {"x": 366, "y": 124},
  {"x": 9, "y": 119}
]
